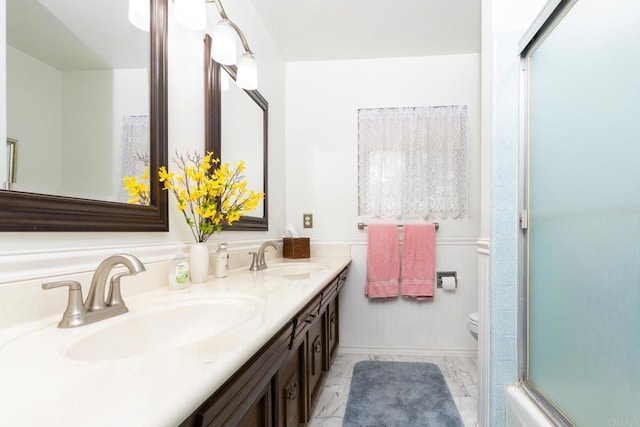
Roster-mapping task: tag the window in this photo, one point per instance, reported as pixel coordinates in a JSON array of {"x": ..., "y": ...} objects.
[{"x": 413, "y": 162}]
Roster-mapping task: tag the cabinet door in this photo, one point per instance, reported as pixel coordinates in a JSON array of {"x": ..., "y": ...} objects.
[
  {"x": 291, "y": 389},
  {"x": 316, "y": 357},
  {"x": 333, "y": 328},
  {"x": 258, "y": 414}
]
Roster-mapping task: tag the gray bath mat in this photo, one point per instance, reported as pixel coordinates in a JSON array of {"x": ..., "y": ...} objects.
[{"x": 400, "y": 394}]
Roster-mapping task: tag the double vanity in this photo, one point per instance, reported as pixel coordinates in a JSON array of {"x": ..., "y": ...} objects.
[{"x": 249, "y": 349}]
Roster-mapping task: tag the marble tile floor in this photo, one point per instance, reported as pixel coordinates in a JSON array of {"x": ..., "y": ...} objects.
[{"x": 460, "y": 373}]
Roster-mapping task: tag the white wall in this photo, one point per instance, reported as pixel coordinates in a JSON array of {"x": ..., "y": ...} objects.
[
  {"x": 322, "y": 129},
  {"x": 35, "y": 121},
  {"x": 322, "y": 178},
  {"x": 94, "y": 104},
  {"x": 186, "y": 132},
  {"x": 87, "y": 131},
  {"x": 240, "y": 133}
]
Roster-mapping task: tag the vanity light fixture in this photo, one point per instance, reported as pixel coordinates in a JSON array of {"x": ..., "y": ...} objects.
[
  {"x": 223, "y": 37},
  {"x": 192, "y": 14}
]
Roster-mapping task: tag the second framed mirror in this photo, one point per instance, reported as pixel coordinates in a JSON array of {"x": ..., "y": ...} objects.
[{"x": 236, "y": 128}]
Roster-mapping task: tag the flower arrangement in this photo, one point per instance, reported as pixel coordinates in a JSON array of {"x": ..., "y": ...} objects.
[{"x": 207, "y": 196}]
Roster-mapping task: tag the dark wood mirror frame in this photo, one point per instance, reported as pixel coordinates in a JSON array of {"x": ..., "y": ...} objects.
[
  {"x": 213, "y": 131},
  {"x": 39, "y": 212}
]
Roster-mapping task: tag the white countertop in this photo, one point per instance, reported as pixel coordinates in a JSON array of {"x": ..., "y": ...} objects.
[{"x": 40, "y": 385}]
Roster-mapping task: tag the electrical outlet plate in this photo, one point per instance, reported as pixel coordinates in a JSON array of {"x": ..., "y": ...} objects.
[{"x": 307, "y": 220}]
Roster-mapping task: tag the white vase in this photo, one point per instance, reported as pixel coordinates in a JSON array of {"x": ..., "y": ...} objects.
[{"x": 198, "y": 263}]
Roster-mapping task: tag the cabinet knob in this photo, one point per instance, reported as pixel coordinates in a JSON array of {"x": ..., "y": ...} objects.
[
  {"x": 317, "y": 346},
  {"x": 333, "y": 318},
  {"x": 292, "y": 391}
]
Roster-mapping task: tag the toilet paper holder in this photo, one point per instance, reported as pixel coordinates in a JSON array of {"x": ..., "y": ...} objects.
[{"x": 441, "y": 274}]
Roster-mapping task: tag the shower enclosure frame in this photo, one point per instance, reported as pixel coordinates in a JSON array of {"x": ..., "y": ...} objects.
[{"x": 546, "y": 21}]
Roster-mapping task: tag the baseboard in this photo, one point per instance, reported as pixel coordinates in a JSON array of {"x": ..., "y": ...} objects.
[{"x": 409, "y": 351}]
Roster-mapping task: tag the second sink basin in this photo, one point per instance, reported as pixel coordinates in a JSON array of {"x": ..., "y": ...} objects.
[
  {"x": 286, "y": 269},
  {"x": 165, "y": 326}
]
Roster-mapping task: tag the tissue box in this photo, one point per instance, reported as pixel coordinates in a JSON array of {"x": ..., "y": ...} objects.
[{"x": 296, "y": 247}]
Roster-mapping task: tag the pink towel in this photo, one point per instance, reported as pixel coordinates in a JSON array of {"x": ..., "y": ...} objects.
[
  {"x": 383, "y": 261},
  {"x": 418, "y": 260}
]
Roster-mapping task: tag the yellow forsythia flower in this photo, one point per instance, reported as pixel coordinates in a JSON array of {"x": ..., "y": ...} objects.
[
  {"x": 207, "y": 195},
  {"x": 139, "y": 191}
]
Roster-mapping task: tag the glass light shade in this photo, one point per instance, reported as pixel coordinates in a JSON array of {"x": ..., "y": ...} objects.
[
  {"x": 191, "y": 14},
  {"x": 140, "y": 14},
  {"x": 223, "y": 43},
  {"x": 247, "y": 72}
]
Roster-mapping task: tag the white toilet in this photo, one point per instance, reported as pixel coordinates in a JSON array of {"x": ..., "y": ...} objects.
[{"x": 472, "y": 324}]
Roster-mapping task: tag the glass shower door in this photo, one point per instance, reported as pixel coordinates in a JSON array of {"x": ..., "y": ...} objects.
[{"x": 584, "y": 214}]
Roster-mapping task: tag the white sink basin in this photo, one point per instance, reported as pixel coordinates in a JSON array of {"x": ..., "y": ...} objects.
[
  {"x": 294, "y": 269},
  {"x": 165, "y": 326}
]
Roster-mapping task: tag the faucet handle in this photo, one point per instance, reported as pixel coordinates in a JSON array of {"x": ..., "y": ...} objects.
[
  {"x": 75, "y": 311},
  {"x": 115, "y": 296}
]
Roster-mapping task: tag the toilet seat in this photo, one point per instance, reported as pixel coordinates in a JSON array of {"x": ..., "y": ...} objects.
[
  {"x": 472, "y": 322},
  {"x": 473, "y": 318}
]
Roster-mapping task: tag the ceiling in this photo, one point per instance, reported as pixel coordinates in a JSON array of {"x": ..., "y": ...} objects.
[
  {"x": 77, "y": 35},
  {"x": 320, "y": 30},
  {"x": 304, "y": 30}
]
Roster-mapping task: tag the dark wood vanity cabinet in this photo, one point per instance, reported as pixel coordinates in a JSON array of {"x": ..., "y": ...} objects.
[{"x": 281, "y": 383}]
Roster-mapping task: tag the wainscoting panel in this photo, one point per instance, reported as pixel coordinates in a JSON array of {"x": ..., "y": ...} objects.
[{"x": 438, "y": 325}]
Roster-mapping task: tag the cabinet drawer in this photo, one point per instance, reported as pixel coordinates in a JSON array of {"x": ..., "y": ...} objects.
[{"x": 304, "y": 319}]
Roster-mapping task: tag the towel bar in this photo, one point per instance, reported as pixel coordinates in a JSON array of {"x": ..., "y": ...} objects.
[{"x": 362, "y": 225}]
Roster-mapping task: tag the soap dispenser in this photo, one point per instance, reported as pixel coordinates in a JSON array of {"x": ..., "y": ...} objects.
[
  {"x": 222, "y": 260},
  {"x": 179, "y": 271}
]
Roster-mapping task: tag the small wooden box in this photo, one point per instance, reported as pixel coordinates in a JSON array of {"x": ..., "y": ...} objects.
[{"x": 295, "y": 248}]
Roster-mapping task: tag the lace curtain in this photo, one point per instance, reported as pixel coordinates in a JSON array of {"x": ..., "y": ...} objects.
[
  {"x": 413, "y": 162},
  {"x": 134, "y": 149}
]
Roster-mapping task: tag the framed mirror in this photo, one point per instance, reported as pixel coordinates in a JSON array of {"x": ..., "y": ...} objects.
[
  {"x": 236, "y": 128},
  {"x": 105, "y": 94}
]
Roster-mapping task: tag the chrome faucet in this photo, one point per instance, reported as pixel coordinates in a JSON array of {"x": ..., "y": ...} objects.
[
  {"x": 96, "y": 308},
  {"x": 257, "y": 262}
]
